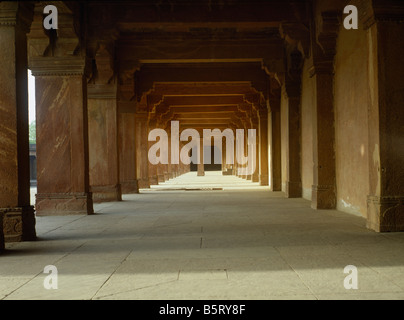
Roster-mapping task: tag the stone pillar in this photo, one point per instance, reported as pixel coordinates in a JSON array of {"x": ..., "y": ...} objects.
[
  {"x": 245, "y": 127},
  {"x": 223, "y": 150},
  {"x": 103, "y": 131},
  {"x": 2, "y": 246},
  {"x": 385, "y": 211},
  {"x": 61, "y": 114},
  {"x": 255, "y": 125},
  {"x": 168, "y": 168},
  {"x": 274, "y": 140},
  {"x": 127, "y": 153},
  {"x": 142, "y": 161},
  {"x": 263, "y": 144},
  {"x": 322, "y": 72},
  {"x": 15, "y": 208},
  {"x": 291, "y": 105},
  {"x": 153, "y": 169},
  {"x": 324, "y": 179},
  {"x": 201, "y": 165},
  {"x": 127, "y": 134}
]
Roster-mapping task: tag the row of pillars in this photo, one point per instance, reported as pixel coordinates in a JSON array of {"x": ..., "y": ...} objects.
[{"x": 231, "y": 164}]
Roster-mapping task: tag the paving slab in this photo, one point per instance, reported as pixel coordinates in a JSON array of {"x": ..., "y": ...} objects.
[{"x": 211, "y": 237}]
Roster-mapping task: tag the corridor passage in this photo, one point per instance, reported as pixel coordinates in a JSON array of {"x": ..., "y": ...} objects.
[{"x": 211, "y": 237}]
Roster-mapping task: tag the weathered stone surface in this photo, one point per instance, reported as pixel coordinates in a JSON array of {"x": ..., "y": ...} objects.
[
  {"x": 18, "y": 224},
  {"x": 71, "y": 203},
  {"x": 127, "y": 153},
  {"x": 142, "y": 161},
  {"x": 2, "y": 246},
  {"x": 18, "y": 216},
  {"x": 103, "y": 149},
  {"x": 385, "y": 214},
  {"x": 63, "y": 177},
  {"x": 333, "y": 135}
]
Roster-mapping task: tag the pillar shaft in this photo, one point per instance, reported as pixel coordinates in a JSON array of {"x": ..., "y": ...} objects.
[
  {"x": 263, "y": 146},
  {"x": 127, "y": 153},
  {"x": 292, "y": 130},
  {"x": 201, "y": 165},
  {"x": 15, "y": 208},
  {"x": 256, "y": 174},
  {"x": 142, "y": 162},
  {"x": 62, "y": 144},
  {"x": 324, "y": 176},
  {"x": 274, "y": 141},
  {"x": 103, "y": 143},
  {"x": 385, "y": 210}
]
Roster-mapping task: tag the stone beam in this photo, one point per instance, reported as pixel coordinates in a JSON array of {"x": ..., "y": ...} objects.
[{"x": 219, "y": 73}]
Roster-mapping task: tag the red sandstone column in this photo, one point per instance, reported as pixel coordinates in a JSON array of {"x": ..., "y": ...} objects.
[
  {"x": 62, "y": 117},
  {"x": 127, "y": 152},
  {"x": 322, "y": 72},
  {"x": 274, "y": 139},
  {"x": 153, "y": 169},
  {"x": 142, "y": 148},
  {"x": 245, "y": 128},
  {"x": 127, "y": 132},
  {"x": 255, "y": 125},
  {"x": 168, "y": 169},
  {"x": 15, "y": 208},
  {"x": 201, "y": 165},
  {"x": 103, "y": 143},
  {"x": 263, "y": 147},
  {"x": 291, "y": 103},
  {"x": 386, "y": 120},
  {"x": 62, "y": 140},
  {"x": 324, "y": 179}
]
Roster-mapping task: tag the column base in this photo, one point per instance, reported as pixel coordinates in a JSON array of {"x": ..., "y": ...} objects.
[
  {"x": 144, "y": 183},
  {"x": 160, "y": 178},
  {"x": 18, "y": 224},
  {"x": 1, "y": 233},
  {"x": 130, "y": 187},
  {"x": 106, "y": 193},
  {"x": 293, "y": 189},
  {"x": 276, "y": 186},
  {"x": 264, "y": 180},
  {"x": 201, "y": 174},
  {"x": 385, "y": 214},
  {"x": 167, "y": 176},
  {"x": 153, "y": 180},
  {"x": 60, "y": 204},
  {"x": 323, "y": 197}
]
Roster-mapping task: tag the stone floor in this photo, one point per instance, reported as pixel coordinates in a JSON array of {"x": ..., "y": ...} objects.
[{"x": 212, "y": 237}]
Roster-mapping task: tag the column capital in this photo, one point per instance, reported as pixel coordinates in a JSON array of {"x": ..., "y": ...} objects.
[
  {"x": 297, "y": 35},
  {"x": 60, "y": 53},
  {"x": 16, "y": 13},
  {"x": 325, "y": 46},
  {"x": 372, "y": 11},
  {"x": 58, "y": 66}
]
